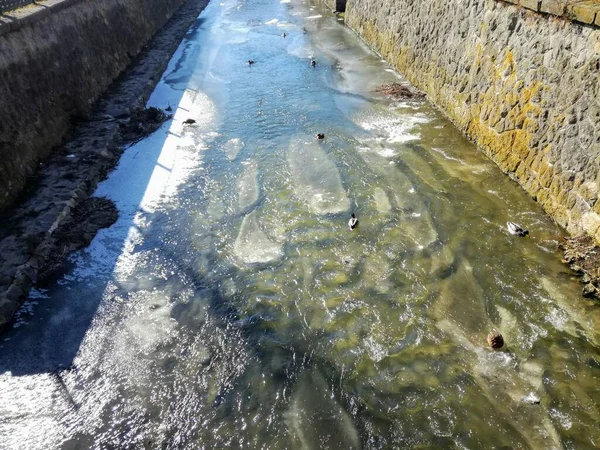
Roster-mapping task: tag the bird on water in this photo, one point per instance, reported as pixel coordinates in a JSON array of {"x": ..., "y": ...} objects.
[
  {"x": 313, "y": 63},
  {"x": 250, "y": 62},
  {"x": 320, "y": 136},
  {"x": 516, "y": 230},
  {"x": 353, "y": 222}
]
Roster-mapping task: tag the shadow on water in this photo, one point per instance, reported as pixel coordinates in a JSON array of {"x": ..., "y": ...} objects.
[{"x": 50, "y": 342}]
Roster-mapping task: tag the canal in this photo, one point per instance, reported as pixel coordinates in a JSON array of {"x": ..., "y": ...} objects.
[{"x": 231, "y": 307}]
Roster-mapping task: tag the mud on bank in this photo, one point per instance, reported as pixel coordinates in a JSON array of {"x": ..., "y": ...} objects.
[{"x": 30, "y": 232}]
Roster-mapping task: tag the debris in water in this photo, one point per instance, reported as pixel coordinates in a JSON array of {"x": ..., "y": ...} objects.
[
  {"x": 141, "y": 123},
  {"x": 399, "y": 91},
  {"x": 583, "y": 256}
]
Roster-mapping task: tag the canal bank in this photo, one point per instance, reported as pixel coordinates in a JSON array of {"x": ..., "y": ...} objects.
[{"x": 29, "y": 244}]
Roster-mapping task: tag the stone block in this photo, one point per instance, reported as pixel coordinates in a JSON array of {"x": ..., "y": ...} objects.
[
  {"x": 556, "y": 7},
  {"x": 530, "y": 4},
  {"x": 590, "y": 222},
  {"x": 584, "y": 12}
]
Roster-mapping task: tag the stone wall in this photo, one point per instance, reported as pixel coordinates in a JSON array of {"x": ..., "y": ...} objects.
[
  {"x": 56, "y": 58},
  {"x": 524, "y": 86},
  {"x": 584, "y": 11}
]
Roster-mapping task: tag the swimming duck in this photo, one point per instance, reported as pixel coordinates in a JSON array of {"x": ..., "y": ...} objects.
[
  {"x": 516, "y": 230},
  {"x": 313, "y": 63},
  {"x": 284, "y": 34},
  {"x": 320, "y": 136},
  {"x": 353, "y": 222},
  {"x": 250, "y": 62},
  {"x": 189, "y": 121}
]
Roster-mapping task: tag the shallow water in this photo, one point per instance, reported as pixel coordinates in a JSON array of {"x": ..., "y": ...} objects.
[{"x": 231, "y": 307}]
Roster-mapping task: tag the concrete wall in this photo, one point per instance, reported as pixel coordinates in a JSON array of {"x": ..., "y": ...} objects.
[
  {"x": 523, "y": 85},
  {"x": 55, "y": 60}
]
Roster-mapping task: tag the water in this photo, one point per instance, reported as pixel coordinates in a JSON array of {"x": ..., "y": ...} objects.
[{"x": 231, "y": 307}]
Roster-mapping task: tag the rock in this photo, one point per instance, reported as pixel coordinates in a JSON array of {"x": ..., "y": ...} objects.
[
  {"x": 586, "y": 278},
  {"x": 495, "y": 339},
  {"x": 589, "y": 290}
]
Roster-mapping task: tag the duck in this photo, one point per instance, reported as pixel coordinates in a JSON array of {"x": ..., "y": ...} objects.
[
  {"x": 284, "y": 34},
  {"x": 250, "y": 62},
  {"x": 353, "y": 222},
  {"x": 313, "y": 63},
  {"x": 320, "y": 136},
  {"x": 189, "y": 122},
  {"x": 516, "y": 230}
]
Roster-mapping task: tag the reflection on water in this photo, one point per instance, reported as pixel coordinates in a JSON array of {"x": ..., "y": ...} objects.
[{"x": 231, "y": 307}]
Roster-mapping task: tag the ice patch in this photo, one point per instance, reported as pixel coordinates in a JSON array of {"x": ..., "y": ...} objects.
[
  {"x": 382, "y": 203},
  {"x": 248, "y": 189},
  {"x": 252, "y": 245},
  {"x": 232, "y": 147},
  {"x": 317, "y": 181}
]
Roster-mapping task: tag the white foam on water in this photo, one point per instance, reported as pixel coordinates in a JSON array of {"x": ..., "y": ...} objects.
[
  {"x": 447, "y": 156},
  {"x": 272, "y": 22},
  {"x": 396, "y": 128},
  {"x": 387, "y": 152},
  {"x": 318, "y": 16}
]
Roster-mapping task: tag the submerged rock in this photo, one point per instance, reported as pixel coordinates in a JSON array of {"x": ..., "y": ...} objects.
[{"x": 495, "y": 339}]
